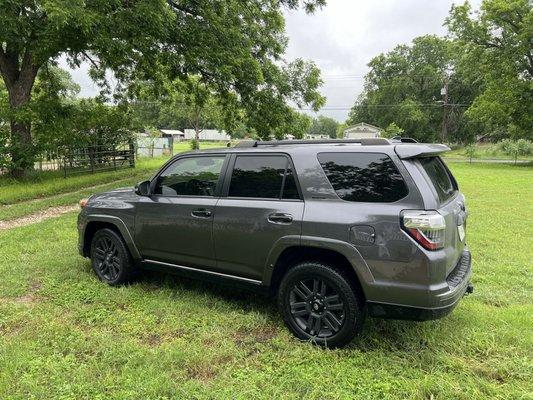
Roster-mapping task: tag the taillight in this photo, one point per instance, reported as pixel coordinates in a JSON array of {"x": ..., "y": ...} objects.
[{"x": 426, "y": 227}]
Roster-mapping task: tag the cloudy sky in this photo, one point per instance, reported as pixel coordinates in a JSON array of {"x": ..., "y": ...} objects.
[{"x": 343, "y": 37}]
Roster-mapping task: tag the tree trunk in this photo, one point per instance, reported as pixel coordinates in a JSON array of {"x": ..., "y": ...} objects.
[{"x": 19, "y": 79}]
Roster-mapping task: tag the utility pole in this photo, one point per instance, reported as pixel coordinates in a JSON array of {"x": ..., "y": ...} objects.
[{"x": 444, "y": 94}]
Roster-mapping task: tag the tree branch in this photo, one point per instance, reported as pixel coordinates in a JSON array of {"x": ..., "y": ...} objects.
[{"x": 94, "y": 63}]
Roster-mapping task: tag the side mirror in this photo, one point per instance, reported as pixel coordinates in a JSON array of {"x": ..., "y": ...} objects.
[{"x": 143, "y": 188}]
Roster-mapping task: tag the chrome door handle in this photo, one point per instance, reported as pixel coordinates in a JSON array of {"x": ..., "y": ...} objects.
[
  {"x": 201, "y": 213},
  {"x": 280, "y": 218}
]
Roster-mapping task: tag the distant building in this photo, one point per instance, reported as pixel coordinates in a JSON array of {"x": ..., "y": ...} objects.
[
  {"x": 174, "y": 133},
  {"x": 207, "y": 134},
  {"x": 316, "y": 136},
  {"x": 362, "y": 130}
]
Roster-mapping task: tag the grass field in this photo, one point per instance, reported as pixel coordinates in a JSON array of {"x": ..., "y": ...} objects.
[
  {"x": 65, "y": 335},
  {"x": 484, "y": 151}
]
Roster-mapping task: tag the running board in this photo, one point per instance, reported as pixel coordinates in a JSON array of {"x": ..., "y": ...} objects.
[{"x": 203, "y": 271}]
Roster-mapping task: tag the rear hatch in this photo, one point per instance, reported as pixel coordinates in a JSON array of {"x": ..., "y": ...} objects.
[{"x": 451, "y": 205}]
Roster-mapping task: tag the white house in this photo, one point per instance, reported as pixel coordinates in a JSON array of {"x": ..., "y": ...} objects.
[
  {"x": 362, "y": 130},
  {"x": 207, "y": 134}
]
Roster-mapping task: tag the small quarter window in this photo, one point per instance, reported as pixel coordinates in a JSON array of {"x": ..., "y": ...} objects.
[
  {"x": 363, "y": 177},
  {"x": 439, "y": 176},
  {"x": 265, "y": 177},
  {"x": 191, "y": 176}
]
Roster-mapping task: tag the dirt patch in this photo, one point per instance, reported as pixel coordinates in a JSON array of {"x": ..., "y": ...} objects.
[
  {"x": 207, "y": 371},
  {"x": 29, "y": 298},
  {"x": 37, "y": 217},
  {"x": 258, "y": 334}
]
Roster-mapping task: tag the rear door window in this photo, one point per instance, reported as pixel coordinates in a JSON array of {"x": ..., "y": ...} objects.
[
  {"x": 265, "y": 177},
  {"x": 363, "y": 177},
  {"x": 439, "y": 177}
]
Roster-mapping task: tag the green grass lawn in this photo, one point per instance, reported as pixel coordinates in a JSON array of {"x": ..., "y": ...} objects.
[
  {"x": 484, "y": 151},
  {"x": 63, "y": 334}
]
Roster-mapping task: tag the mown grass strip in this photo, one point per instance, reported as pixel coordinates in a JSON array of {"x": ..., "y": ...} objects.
[{"x": 13, "y": 191}]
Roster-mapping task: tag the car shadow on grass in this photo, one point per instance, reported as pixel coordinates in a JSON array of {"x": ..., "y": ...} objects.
[{"x": 378, "y": 334}]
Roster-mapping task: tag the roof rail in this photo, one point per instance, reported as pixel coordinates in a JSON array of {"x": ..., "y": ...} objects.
[{"x": 362, "y": 142}]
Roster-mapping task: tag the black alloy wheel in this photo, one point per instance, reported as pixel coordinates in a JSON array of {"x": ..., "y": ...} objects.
[
  {"x": 107, "y": 260},
  {"x": 319, "y": 303},
  {"x": 317, "y": 308},
  {"x": 110, "y": 257}
]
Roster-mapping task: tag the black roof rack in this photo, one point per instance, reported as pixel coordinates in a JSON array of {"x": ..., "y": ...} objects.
[{"x": 362, "y": 142}]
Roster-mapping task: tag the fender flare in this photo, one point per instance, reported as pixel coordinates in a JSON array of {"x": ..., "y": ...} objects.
[
  {"x": 347, "y": 250},
  {"x": 121, "y": 226}
]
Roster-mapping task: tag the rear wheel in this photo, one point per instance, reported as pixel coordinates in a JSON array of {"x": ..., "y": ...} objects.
[
  {"x": 110, "y": 257},
  {"x": 319, "y": 304}
]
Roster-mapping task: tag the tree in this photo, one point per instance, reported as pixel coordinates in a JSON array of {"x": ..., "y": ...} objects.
[
  {"x": 498, "y": 53},
  {"x": 324, "y": 126},
  {"x": 404, "y": 86},
  {"x": 234, "y": 46},
  {"x": 392, "y": 130}
]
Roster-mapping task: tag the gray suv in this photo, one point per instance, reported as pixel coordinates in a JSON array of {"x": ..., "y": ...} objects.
[{"x": 335, "y": 230}]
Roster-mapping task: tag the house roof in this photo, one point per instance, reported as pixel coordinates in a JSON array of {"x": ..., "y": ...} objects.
[
  {"x": 361, "y": 124},
  {"x": 172, "y": 131}
]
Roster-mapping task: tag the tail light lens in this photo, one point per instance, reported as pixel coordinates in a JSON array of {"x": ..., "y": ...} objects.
[{"x": 426, "y": 227}]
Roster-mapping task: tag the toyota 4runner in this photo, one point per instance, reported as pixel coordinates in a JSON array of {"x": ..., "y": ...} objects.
[{"x": 335, "y": 230}]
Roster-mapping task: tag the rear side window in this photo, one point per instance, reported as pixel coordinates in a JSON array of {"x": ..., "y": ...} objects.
[
  {"x": 266, "y": 177},
  {"x": 363, "y": 177},
  {"x": 439, "y": 176}
]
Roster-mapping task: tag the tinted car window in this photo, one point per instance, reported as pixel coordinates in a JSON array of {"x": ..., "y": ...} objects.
[
  {"x": 266, "y": 177},
  {"x": 363, "y": 177},
  {"x": 192, "y": 176},
  {"x": 439, "y": 176}
]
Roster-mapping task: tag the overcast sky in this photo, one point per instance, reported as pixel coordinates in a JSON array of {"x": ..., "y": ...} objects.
[{"x": 343, "y": 37}]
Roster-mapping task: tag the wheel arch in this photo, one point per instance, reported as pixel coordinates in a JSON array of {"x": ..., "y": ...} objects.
[
  {"x": 340, "y": 255},
  {"x": 97, "y": 222}
]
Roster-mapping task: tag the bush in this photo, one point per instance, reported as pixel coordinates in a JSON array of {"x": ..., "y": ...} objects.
[
  {"x": 470, "y": 151},
  {"x": 516, "y": 148},
  {"x": 195, "y": 145}
]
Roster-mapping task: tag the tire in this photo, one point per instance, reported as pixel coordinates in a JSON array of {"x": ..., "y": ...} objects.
[
  {"x": 321, "y": 305},
  {"x": 110, "y": 258}
]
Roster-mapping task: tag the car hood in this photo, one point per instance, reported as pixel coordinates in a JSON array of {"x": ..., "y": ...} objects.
[{"x": 125, "y": 194}]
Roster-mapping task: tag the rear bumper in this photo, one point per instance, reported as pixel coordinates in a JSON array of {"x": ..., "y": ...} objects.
[{"x": 439, "y": 302}]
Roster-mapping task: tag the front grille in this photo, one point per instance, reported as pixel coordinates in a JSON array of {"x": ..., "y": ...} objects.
[{"x": 459, "y": 272}]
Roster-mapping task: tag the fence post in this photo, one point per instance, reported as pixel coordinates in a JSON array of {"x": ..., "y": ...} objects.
[{"x": 132, "y": 153}]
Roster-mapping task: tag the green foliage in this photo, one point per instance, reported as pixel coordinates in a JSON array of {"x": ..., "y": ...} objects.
[
  {"x": 194, "y": 144},
  {"x": 392, "y": 130},
  {"x": 403, "y": 87},
  {"x": 516, "y": 148},
  {"x": 234, "y": 48},
  {"x": 324, "y": 126},
  {"x": 470, "y": 151},
  {"x": 497, "y": 53}
]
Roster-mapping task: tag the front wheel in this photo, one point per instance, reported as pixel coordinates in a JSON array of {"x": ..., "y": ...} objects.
[
  {"x": 110, "y": 257},
  {"x": 321, "y": 305}
]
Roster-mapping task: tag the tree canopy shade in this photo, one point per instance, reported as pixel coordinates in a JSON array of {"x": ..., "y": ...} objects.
[{"x": 234, "y": 46}]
